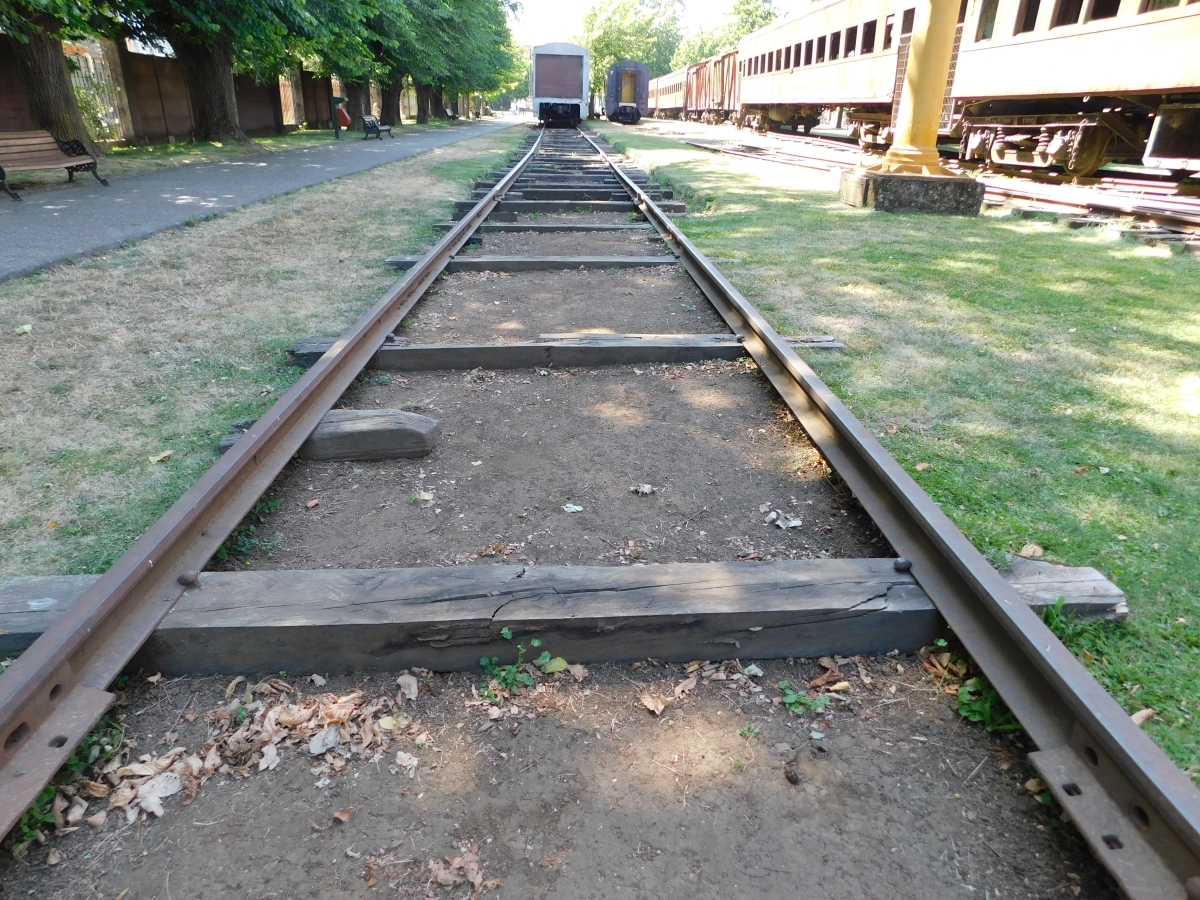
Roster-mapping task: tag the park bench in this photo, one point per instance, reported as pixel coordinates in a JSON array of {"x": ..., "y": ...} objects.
[
  {"x": 372, "y": 128},
  {"x": 42, "y": 150}
]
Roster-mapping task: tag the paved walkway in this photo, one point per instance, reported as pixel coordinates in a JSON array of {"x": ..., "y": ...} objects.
[{"x": 52, "y": 226}]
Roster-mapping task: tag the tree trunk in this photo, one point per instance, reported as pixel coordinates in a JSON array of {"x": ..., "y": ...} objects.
[
  {"x": 358, "y": 103},
  {"x": 208, "y": 71},
  {"x": 423, "y": 101},
  {"x": 52, "y": 102},
  {"x": 437, "y": 105},
  {"x": 390, "y": 95},
  {"x": 454, "y": 113}
]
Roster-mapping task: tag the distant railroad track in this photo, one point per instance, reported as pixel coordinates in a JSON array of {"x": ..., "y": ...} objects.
[
  {"x": 1164, "y": 205},
  {"x": 1139, "y": 813}
]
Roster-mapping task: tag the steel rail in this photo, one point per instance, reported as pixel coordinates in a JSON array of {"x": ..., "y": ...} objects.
[
  {"x": 1139, "y": 813},
  {"x": 57, "y": 689}
]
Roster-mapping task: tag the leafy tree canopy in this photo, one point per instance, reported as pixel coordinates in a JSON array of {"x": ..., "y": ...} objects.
[
  {"x": 744, "y": 17},
  {"x": 642, "y": 30}
]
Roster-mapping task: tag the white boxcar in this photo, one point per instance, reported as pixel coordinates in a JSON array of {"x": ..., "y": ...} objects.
[{"x": 560, "y": 83}]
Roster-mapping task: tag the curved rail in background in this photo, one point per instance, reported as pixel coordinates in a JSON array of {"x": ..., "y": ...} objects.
[
  {"x": 1137, "y": 810},
  {"x": 57, "y": 689}
]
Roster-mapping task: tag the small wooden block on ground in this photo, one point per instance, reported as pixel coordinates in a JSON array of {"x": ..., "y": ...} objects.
[
  {"x": 342, "y": 621},
  {"x": 362, "y": 434}
]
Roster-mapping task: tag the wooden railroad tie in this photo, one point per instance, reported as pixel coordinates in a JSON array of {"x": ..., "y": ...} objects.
[
  {"x": 554, "y": 350},
  {"x": 347, "y": 620},
  {"x": 539, "y": 263}
]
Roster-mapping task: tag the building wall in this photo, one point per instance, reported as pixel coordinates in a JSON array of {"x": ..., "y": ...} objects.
[
  {"x": 159, "y": 104},
  {"x": 260, "y": 112},
  {"x": 316, "y": 90}
]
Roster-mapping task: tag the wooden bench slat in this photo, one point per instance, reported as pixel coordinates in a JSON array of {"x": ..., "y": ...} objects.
[
  {"x": 42, "y": 141},
  {"x": 39, "y": 155}
]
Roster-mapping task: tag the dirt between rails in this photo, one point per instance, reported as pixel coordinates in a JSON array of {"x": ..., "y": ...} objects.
[
  {"x": 568, "y": 243},
  {"x": 520, "y": 448},
  {"x": 490, "y": 307},
  {"x": 584, "y": 793}
]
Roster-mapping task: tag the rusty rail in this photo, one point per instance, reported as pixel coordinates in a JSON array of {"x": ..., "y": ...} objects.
[
  {"x": 57, "y": 690},
  {"x": 1139, "y": 813}
]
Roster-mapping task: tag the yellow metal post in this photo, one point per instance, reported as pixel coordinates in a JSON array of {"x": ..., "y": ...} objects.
[{"x": 914, "y": 144}]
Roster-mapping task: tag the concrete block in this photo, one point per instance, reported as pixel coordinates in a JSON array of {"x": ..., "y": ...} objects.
[{"x": 887, "y": 192}]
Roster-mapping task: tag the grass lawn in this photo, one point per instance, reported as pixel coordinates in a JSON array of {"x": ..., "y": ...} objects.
[
  {"x": 133, "y": 160},
  {"x": 163, "y": 344},
  {"x": 1049, "y": 378}
]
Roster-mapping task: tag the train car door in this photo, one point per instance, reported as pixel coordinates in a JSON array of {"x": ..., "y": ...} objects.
[{"x": 629, "y": 87}]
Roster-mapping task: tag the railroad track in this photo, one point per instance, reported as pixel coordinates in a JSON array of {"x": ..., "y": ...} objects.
[
  {"x": 1172, "y": 211},
  {"x": 1137, "y": 811}
]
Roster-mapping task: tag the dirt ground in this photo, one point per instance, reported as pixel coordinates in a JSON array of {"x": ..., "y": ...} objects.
[
  {"x": 487, "y": 307},
  {"x": 569, "y": 243},
  {"x": 712, "y": 439},
  {"x": 582, "y": 792}
]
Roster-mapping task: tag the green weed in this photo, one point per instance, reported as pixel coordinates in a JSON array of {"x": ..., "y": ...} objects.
[
  {"x": 749, "y": 731},
  {"x": 979, "y": 702},
  {"x": 799, "y": 702},
  {"x": 244, "y": 539}
]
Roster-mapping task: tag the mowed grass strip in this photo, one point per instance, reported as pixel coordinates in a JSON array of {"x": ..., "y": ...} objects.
[
  {"x": 1042, "y": 384},
  {"x": 136, "y": 159},
  {"x": 162, "y": 345}
]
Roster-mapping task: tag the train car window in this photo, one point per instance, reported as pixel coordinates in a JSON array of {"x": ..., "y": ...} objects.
[
  {"x": 888, "y": 24},
  {"x": 906, "y": 24},
  {"x": 987, "y": 20},
  {"x": 1152, "y": 5},
  {"x": 1067, "y": 13},
  {"x": 868, "y": 37},
  {"x": 851, "y": 40},
  {"x": 787, "y": 56},
  {"x": 808, "y": 52},
  {"x": 821, "y": 49},
  {"x": 1104, "y": 9},
  {"x": 835, "y": 44},
  {"x": 770, "y": 62},
  {"x": 797, "y": 54},
  {"x": 778, "y": 60},
  {"x": 1027, "y": 19}
]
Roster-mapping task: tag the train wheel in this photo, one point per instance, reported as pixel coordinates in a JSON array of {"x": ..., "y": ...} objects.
[{"x": 1089, "y": 152}]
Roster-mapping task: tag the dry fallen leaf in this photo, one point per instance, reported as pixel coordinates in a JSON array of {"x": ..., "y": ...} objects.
[
  {"x": 921, "y": 467},
  {"x": 556, "y": 859},
  {"x": 53, "y": 858},
  {"x": 409, "y": 686},
  {"x": 1031, "y": 551},
  {"x": 233, "y": 686},
  {"x": 97, "y": 790},
  {"x": 77, "y": 811},
  {"x": 161, "y": 457},
  {"x": 343, "y": 815},
  {"x": 317, "y": 680},
  {"x": 156, "y": 678},
  {"x": 1035, "y": 785},
  {"x": 653, "y": 702},
  {"x": 577, "y": 671},
  {"x": 684, "y": 687},
  {"x": 840, "y": 686},
  {"x": 312, "y": 504},
  {"x": 1142, "y": 716},
  {"x": 98, "y": 819},
  {"x": 443, "y": 874}
]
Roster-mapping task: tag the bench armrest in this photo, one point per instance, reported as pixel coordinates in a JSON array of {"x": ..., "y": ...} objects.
[{"x": 72, "y": 148}]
